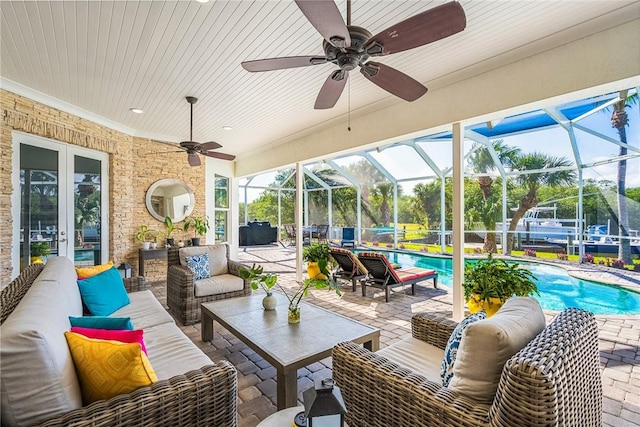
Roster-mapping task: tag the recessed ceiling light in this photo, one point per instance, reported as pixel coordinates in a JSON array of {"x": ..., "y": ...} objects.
[
  {"x": 202, "y": 1},
  {"x": 136, "y": 110},
  {"x": 227, "y": 128}
]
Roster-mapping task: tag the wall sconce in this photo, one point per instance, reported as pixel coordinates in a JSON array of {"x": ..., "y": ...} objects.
[
  {"x": 125, "y": 270},
  {"x": 323, "y": 406}
]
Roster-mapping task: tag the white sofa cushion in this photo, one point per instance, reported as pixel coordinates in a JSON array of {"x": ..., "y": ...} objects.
[
  {"x": 219, "y": 284},
  {"x": 487, "y": 345},
  {"x": 38, "y": 376},
  {"x": 171, "y": 353},
  {"x": 416, "y": 355},
  {"x": 144, "y": 310},
  {"x": 217, "y": 257}
]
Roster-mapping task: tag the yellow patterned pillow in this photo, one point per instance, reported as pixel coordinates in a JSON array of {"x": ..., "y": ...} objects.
[
  {"x": 108, "y": 368},
  {"x": 87, "y": 272}
]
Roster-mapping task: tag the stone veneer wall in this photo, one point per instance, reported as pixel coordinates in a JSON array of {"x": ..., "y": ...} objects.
[{"x": 132, "y": 169}]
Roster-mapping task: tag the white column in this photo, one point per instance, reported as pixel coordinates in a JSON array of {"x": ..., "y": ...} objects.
[
  {"x": 458, "y": 222},
  {"x": 443, "y": 216},
  {"x": 395, "y": 215},
  {"x": 298, "y": 219},
  {"x": 359, "y": 216},
  {"x": 330, "y": 213}
]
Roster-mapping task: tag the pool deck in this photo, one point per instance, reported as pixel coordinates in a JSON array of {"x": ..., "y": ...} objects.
[{"x": 619, "y": 337}]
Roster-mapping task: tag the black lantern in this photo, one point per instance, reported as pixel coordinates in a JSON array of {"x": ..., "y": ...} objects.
[
  {"x": 323, "y": 405},
  {"x": 125, "y": 270}
]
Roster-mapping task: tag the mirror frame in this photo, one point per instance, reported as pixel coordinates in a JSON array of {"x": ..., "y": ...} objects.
[{"x": 169, "y": 182}]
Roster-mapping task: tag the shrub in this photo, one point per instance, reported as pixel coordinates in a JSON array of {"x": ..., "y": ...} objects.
[
  {"x": 617, "y": 263},
  {"x": 389, "y": 245},
  {"x": 587, "y": 258},
  {"x": 477, "y": 250},
  {"x": 424, "y": 249},
  {"x": 562, "y": 256},
  {"x": 375, "y": 243},
  {"x": 530, "y": 252},
  {"x": 401, "y": 246}
]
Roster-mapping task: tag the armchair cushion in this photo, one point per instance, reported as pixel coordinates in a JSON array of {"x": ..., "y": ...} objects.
[
  {"x": 488, "y": 344},
  {"x": 217, "y": 257},
  {"x": 199, "y": 264},
  {"x": 219, "y": 284},
  {"x": 451, "y": 350},
  {"x": 416, "y": 355}
]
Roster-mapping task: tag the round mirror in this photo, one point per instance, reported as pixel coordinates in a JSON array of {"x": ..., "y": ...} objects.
[{"x": 170, "y": 197}]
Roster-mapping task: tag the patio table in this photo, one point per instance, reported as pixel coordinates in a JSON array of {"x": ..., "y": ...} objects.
[{"x": 287, "y": 347}]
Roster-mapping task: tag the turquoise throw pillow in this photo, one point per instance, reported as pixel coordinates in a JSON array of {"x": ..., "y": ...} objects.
[
  {"x": 104, "y": 293},
  {"x": 451, "y": 350},
  {"x": 199, "y": 264},
  {"x": 102, "y": 322}
]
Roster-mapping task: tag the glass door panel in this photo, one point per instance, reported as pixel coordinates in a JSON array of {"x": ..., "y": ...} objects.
[
  {"x": 87, "y": 213},
  {"x": 40, "y": 201}
]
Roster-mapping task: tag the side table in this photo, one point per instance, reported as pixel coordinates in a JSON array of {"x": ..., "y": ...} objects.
[
  {"x": 145, "y": 254},
  {"x": 283, "y": 418}
]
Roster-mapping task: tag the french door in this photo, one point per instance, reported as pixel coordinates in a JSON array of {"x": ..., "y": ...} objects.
[{"x": 60, "y": 202}]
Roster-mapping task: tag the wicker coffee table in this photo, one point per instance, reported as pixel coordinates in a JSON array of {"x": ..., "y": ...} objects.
[{"x": 285, "y": 346}]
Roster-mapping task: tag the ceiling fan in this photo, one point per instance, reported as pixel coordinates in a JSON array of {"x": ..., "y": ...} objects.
[
  {"x": 194, "y": 148},
  {"x": 349, "y": 46}
]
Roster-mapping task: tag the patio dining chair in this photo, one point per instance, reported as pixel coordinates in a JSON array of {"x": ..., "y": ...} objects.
[
  {"x": 349, "y": 267},
  {"x": 290, "y": 231},
  {"x": 322, "y": 232},
  {"x": 348, "y": 236},
  {"x": 383, "y": 275}
]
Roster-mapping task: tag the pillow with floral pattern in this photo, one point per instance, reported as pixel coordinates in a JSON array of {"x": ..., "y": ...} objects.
[
  {"x": 451, "y": 350},
  {"x": 199, "y": 264}
]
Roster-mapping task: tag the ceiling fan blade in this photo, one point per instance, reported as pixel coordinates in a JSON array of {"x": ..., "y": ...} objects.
[
  {"x": 206, "y": 146},
  {"x": 194, "y": 159},
  {"x": 283, "y": 63},
  {"x": 222, "y": 156},
  {"x": 326, "y": 18},
  {"x": 426, "y": 27},
  {"x": 393, "y": 81},
  {"x": 331, "y": 90}
]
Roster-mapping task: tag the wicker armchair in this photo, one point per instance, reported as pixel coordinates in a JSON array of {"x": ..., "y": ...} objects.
[
  {"x": 553, "y": 381},
  {"x": 181, "y": 298}
]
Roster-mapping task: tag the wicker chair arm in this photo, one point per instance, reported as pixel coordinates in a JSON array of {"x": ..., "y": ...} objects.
[
  {"x": 378, "y": 392},
  {"x": 135, "y": 284},
  {"x": 234, "y": 268},
  {"x": 432, "y": 328},
  {"x": 180, "y": 274},
  {"x": 203, "y": 397}
]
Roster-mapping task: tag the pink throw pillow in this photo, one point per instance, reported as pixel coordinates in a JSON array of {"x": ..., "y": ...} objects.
[{"x": 121, "y": 335}]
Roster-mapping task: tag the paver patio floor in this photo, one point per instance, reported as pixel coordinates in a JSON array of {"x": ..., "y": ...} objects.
[{"x": 619, "y": 337}]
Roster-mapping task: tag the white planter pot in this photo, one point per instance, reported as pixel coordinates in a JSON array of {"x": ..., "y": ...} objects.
[
  {"x": 269, "y": 302},
  {"x": 146, "y": 245}
]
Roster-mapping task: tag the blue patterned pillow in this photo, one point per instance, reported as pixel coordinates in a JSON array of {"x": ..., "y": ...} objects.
[
  {"x": 451, "y": 350},
  {"x": 199, "y": 264}
]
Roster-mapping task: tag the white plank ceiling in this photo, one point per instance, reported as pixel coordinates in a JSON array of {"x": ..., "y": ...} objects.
[{"x": 108, "y": 56}]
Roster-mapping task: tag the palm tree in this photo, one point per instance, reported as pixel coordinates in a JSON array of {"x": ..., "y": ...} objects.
[
  {"x": 482, "y": 162},
  {"x": 548, "y": 175},
  {"x": 619, "y": 121}
]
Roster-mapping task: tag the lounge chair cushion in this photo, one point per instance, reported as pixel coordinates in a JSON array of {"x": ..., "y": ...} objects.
[
  {"x": 451, "y": 349},
  {"x": 217, "y": 257},
  {"x": 355, "y": 264},
  {"x": 487, "y": 344},
  {"x": 415, "y": 355},
  {"x": 144, "y": 310}
]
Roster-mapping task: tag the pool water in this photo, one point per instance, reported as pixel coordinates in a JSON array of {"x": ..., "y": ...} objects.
[{"x": 557, "y": 289}]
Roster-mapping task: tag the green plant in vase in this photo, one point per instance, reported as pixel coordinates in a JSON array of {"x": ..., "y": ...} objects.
[
  {"x": 268, "y": 280},
  {"x": 312, "y": 255},
  {"x": 200, "y": 227},
  {"x": 146, "y": 236},
  {"x": 170, "y": 228},
  {"x": 39, "y": 250},
  {"x": 488, "y": 283},
  {"x": 258, "y": 279}
]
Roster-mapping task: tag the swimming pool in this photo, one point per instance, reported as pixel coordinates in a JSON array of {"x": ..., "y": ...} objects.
[{"x": 557, "y": 289}]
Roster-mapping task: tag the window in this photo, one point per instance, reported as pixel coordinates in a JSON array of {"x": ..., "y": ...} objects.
[{"x": 221, "y": 208}]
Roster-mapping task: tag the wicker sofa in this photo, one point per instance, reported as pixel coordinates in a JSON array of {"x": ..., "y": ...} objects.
[
  {"x": 43, "y": 389},
  {"x": 553, "y": 381},
  {"x": 185, "y": 295}
]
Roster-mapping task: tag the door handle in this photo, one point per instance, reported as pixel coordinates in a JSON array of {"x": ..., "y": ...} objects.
[{"x": 62, "y": 240}]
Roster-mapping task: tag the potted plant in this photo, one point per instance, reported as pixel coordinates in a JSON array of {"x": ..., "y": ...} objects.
[
  {"x": 313, "y": 254},
  {"x": 488, "y": 283},
  {"x": 268, "y": 280},
  {"x": 39, "y": 250},
  {"x": 168, "y": 225},
  {"x": 145, "y": 235},
  {"x": 200, "y": 227}
]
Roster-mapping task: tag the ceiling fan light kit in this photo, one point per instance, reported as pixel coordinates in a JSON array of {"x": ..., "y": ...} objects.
[
  {"x": 350, "y": 46},
  {"x": 194, "y": 148}
]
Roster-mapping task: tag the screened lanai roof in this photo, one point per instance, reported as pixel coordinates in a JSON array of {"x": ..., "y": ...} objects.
[{"x": 429, "y": 156}]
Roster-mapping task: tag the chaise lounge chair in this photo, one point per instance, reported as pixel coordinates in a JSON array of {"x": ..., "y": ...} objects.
[
  {"x": 382, "y": 275},
  {"x": 349, "y": 267}
]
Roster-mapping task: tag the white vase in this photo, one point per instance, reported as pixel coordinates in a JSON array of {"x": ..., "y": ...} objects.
[
  {"x": 154, "y": 245},
  {"x": 269, "y": 302},
  {"x": 146, "y": 245},
  {"x": 180, "y": 244}
]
